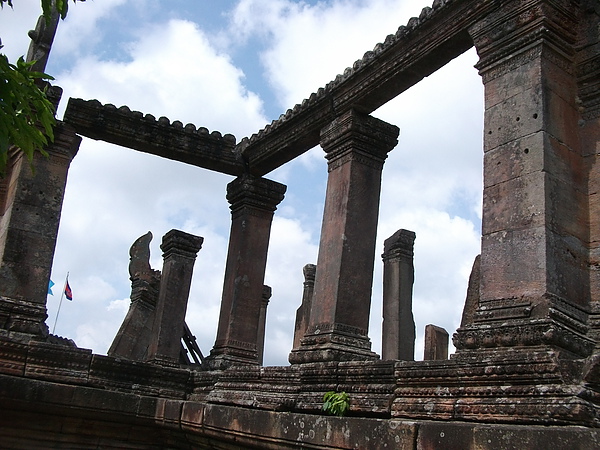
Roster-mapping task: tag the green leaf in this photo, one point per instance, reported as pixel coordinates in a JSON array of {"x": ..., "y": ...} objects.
[{"x": 336, "y": 403}]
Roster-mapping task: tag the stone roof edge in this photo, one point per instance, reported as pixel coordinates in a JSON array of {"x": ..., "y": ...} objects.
[
  {"x": 368, "y": 58},
  {"x": 162, "y": 121}
]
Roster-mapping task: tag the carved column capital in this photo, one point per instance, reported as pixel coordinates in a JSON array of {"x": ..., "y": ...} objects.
[
  {"x": 513, "y": 35},
  {"x": 309, "y": 271},
  {"x": 177, "y": 242},
  {"x": 399, "y": 246},
  {"x": 258, "y": 193},
  {"x": 65, "y": 145},
  {"x": 266, "y": 296},
  {"x": 357, "y": 136}
]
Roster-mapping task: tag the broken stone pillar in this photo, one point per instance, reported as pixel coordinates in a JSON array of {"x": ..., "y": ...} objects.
[
  {"x": 356, "y": 146},
  {"x": 398, "y": 332},
  {"x": 472, "y": 300},
  {"x": 179, "y": 254},
  {"x": 436, "y": 343},
  {"x": 535, "y": 281},
  {"x": 253, "y": 203},
  {"x": 135, "y": 334},
  {"x": 262, "y": 323},
  {"x": 30, "y": 208},
  {"x": 303, "y": 311}
]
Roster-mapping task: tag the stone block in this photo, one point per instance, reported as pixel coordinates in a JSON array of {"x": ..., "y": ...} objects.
[
  {"x": 58, "y": 363},
  {"x": 436, "y": 343}
]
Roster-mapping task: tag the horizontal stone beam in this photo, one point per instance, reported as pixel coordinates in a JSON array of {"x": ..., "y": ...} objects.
[
  {"x": 414, "y": 52},
  {"x": 145, "y": 133}
]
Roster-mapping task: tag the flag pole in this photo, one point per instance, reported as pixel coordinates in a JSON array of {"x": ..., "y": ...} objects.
[{"x": 60, "y": 303}]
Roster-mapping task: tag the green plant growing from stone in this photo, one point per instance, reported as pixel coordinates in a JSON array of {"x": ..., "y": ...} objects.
[
  {"x": 336, "y": 403},
  {"x": 26, "y": 114}
]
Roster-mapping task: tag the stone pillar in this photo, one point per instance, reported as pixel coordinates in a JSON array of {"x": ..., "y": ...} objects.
[
  {"x": 253, "y": 202},
  {"x": 588, "y": 72},
  {"x": 436, "y": 343},
  {"x": 356, "y": 145},
  {"x": 262, "y": 323},
  {"x": 179, "y": 254},
  {"x": 398, "y": 333},
  {"x": 303, "y": 312},
  {"x": 535, "y": 286},
  {"x": 30, "y": 208}
]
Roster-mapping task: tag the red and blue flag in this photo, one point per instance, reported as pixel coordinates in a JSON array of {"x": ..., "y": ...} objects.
[{"x": 68, "y": 292}]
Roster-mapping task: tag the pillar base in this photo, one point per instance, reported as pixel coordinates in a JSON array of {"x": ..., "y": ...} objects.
[
  {"x": 232, "y": 354},
  {"x": 333, "y": 346},
  {"x": 224, "y": 361}
]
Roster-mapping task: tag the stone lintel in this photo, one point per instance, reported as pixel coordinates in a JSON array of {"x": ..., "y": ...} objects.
[{"x": 145, "y": 133}]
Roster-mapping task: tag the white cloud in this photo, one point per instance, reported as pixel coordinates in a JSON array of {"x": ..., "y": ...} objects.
[
  {"x": 431, "y": 181},
  {"x": 15, "y": 23},
  {"x": 310, "y": 45},
  {"x": 172, "y": 71}
]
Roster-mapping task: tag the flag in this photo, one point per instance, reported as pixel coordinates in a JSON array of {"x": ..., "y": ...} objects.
[
  {"x": 68, "y": 292},
  {"x": 50, "y": 284}
]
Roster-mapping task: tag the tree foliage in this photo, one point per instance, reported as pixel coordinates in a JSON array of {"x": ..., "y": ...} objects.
[
  {"x": 26, "y": 114},
  {"x": 61, "y": 6},
  {"x": 336, "y": 403}
]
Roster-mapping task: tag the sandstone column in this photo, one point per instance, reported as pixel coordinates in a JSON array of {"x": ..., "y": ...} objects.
[
  {"x": 253, "y": 202},
  {"x": 588, "y": 98},
  {"x": 398, "y": 333},
  {"x": 30, "y": 208},
  {"x": 179, "y": 254},
  {"x": 356, "y": 146},
  {"x": 535, "y": 287},
  {"x": 262, "y": 323},
  {"x": 303, "y": 312}
]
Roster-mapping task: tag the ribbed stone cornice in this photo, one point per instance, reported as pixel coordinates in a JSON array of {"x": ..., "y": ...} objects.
[
  {"x": 415, "y": 51},
  {"x": 161, "y": 137}
]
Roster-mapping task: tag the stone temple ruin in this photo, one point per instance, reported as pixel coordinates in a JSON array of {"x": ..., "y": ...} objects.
[{"x": 526, "y": 373}]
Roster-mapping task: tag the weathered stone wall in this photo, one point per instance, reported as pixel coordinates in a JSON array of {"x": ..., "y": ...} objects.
[{"x": 527, "y": 370}]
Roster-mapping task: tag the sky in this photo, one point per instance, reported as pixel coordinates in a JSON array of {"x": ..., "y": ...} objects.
[{"x": 233, "y": 66}]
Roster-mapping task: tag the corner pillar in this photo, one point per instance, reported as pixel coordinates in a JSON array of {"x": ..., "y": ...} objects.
[
  {"x": 356, "y": 146},
  {"x": 30, "y": 208},
  {"x": 535, "y": 286},
  {"x": 253, "y": 202},
  {"x": 179, "y": 254}
]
